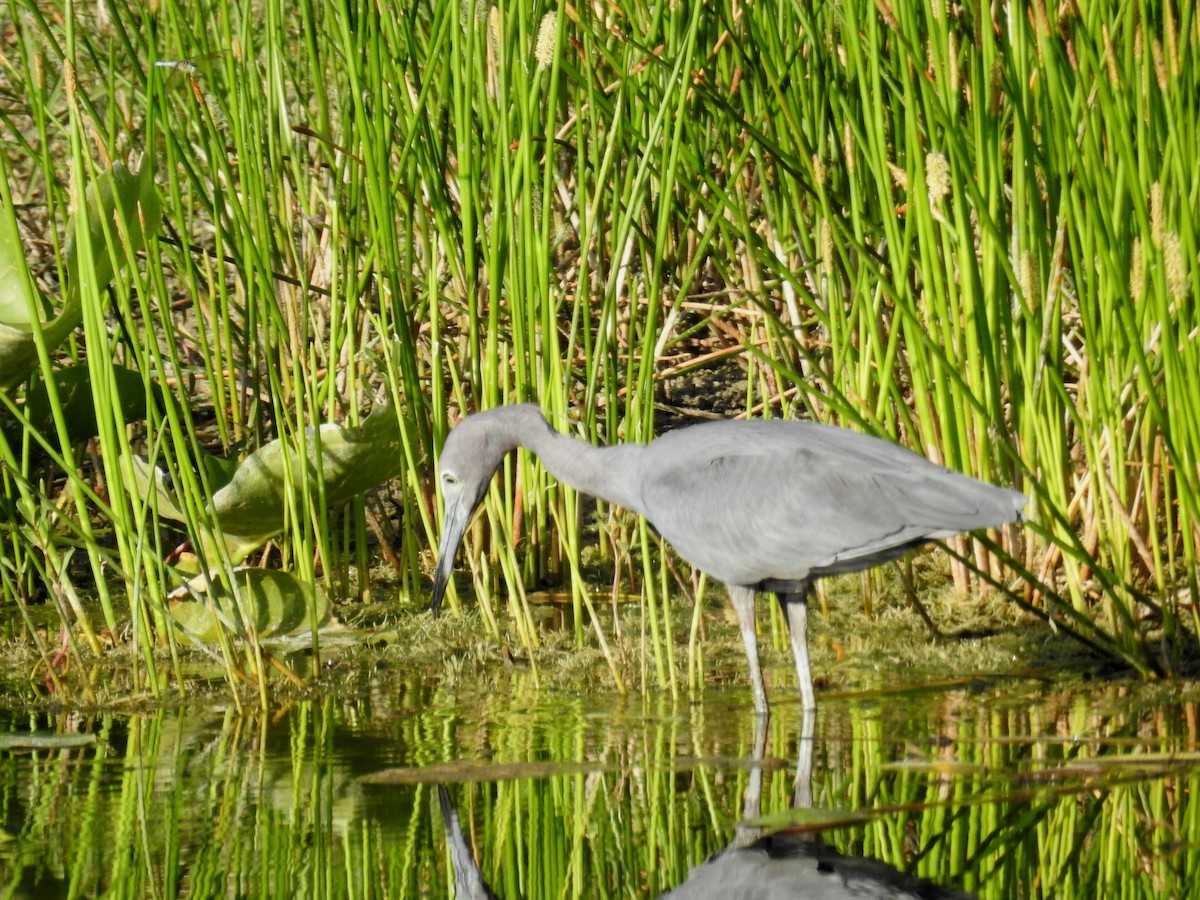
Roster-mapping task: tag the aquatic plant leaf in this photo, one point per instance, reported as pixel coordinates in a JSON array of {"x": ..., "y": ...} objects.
[
  {"x": 250, "y": 506},
  {"x": 15, "y": 286},
  {"x": 196, "y": 621},
  {"x": 219, "y": 469},
  {"x": 129, "y": 207},
  {"x": 152, "y": 480},
  {"x": 18, "y": 346},
  {"x": 18, "y": 353},
  {"x": 351, "y": 460},
  {"x": 273, "y": 603},
  {"x": 73, "y": 387},
  {"x": 125, "y": 205}
]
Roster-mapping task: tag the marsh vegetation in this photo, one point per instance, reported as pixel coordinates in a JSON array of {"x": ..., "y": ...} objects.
[{"x": 244, "y": 296}]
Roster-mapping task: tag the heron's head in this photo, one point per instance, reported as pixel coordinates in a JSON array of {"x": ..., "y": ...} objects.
[{"x": 472, "y": 454}]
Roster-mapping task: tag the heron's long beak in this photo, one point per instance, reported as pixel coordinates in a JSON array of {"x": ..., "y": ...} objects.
[{"x": 455, "y": 519}]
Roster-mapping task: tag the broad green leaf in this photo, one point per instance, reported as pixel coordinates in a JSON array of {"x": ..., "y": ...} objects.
[
  {"x": 276, "y": 603},
  {"x": 15, "y": 285},
  {"x": 18, "y": 353},
  {"x": 219, "y": 469},
  {"x": 352, "y": 460},
  {"x": 250, "y": 507},
  {"x": 150, "y": 480},
  {"x": 131, "y": 207},
  {"x": 74, "y": 389},
  {"x": 128, "y": 207}
]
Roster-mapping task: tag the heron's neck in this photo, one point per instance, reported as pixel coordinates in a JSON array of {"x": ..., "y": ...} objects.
[{"x": 610, "y": 473}]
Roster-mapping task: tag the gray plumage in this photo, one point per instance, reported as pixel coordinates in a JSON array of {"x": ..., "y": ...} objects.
[
  {"x": 785, "y": 866},
  {"x": 468, "y": 880},
  {"x": 759, "y": 505}
]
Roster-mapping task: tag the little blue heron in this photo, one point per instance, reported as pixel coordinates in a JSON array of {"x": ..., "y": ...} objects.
[{"x": 759, "y": 505}]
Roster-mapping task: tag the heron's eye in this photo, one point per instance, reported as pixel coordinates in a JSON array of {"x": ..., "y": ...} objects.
[{"x": 449, "y": 478}]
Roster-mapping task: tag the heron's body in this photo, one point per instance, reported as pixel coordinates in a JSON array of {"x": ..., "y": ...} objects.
[{"x": 759, "y": 505}]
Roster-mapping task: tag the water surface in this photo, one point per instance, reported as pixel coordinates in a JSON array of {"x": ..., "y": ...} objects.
[{"x": 1002, "y": 787}]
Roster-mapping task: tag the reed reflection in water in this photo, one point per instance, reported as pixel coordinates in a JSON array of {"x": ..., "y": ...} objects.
[{"x": 1000, "y": 789}]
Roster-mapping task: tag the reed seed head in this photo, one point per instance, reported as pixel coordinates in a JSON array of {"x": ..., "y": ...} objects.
[
  {"x": 1175, "y": 266},
  {"x": 996, "y": 89},
  {"x": 1137, "y": 272},
  {"x": 535, "y": 201},
  {"x": 937, "y": 177},
  {"x": 1027, "y": 276},
  {"x": 1160, "y": 67},
  {"x": 889, "y": 17},
  {"x": 955, "y": 78},
  {"x": 494, "y": 34},
  {"x": 818, "y": 170},
  {"x": 1110, "y": 57},
  {"x": 481, "y": 12},
  {"x": 547, "y": 31},
  {"x": 826, "y": 247}
]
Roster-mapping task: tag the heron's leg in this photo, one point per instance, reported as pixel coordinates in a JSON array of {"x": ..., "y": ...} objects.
[
  {"x": 743, "y": 835},
  {"x": 795, "y": 608},
  {"x": 743, "y": 604},
  {"x": 802, "y": 797}
]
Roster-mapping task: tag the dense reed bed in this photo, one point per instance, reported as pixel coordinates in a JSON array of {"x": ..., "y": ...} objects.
[{"x": 969, "y": 229}]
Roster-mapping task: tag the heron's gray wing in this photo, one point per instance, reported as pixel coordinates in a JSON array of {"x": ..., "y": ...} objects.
[{"x": 749, "y": 504}]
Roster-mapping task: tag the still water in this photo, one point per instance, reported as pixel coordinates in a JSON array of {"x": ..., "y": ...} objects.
[{"x": 997, "y": 787}]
